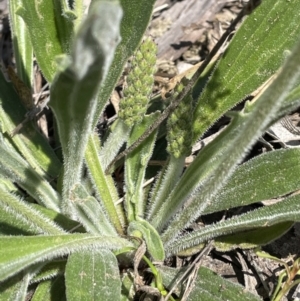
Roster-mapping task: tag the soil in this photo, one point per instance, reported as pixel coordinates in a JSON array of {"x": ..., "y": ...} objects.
[{"x": 185, "y": 31}]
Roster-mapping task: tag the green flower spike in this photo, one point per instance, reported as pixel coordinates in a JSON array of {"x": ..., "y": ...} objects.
[
  {"x": 179, "y": 134},
  {"x": 139, "y": 84}
]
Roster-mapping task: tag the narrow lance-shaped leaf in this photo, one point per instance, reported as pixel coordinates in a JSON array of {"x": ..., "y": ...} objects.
[
  {"x": 228, "y": 149},
  {"x": 20, "y": 215},
  {"x": 30, "y": 143},
  {"x": 258, "y": 49},
  {"x": 22, "y": 45},
  {"x": 16, "y": 288},
  {"x": 63, "y": 221},
  {"x": 142, "y": 229},
  {"x": 74, "y": 89},
  {"x": 90, "y": 213},
  {"x": 208, "y": 286},
  {"x": 165, "y": 182},
  {"x": 93, "y": 275},
  {"x": 50, "y": 270},
  {"x": 250, "y": 239},
  {"x": 284, "y": 211},
  {"x": 291, "y": 102},
  {"x": 267, "y": 176},
  {"x": 50, "y": 32},
  {"x": 22, "y": 251},
  {"x": 13, "y": 166},
  {"x": 104, "y": 186},
  {"x": 135, "y": 168},
  {"x": 118, "y": 136},
  {"x": 127, "y": 286},
  {"x": 52, "y": 289}
]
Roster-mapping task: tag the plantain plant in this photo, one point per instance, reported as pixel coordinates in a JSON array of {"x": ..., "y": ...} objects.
[{"x": 67, "y": 233}]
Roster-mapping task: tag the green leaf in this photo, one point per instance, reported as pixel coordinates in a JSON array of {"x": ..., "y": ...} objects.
[
  {"x": 14, "y": 167},
  {"x": 15, "y": 289},
  {"x": 19, "y": 252},
  {"x": 287, "y": 210},
  {"x": 49, "y": 290},
  {"x": 135, "y": 168},
  {"x": 208, "y": 286},
  {"x": 12, "y": 225},
  {"x": 16, "y": 214},
  {"x": 49, "y": 30},
  {"x": 151, "y": 237},
  {"x": 21, "y": 43},
  {"x": 104, "y": 185},
  {"x": 216, "y": 162},
  {"x": 137, "y": 14},
  {"x": 253, "y": 238},
  {"x": 74, "y": 89},
  {"x": 90, "y": 213},
  {"x": 127, "y": 292},
  {"x": 245, "y": 240},
  {"x": 291, "y": 103},
  {"x": 250, "y": 60},
  {"x": 117, "y": 137},
  {"x": 50, "y": 270},
  {"x": 93, "y": 275},
  {"x": 268, "y": 176},
  {"x": 30, "y": 143},
  {"x": 63, "y": 221},
  {"x": 6, "y": 184},
  {"x": 78, "y": 7},
  {"x": 164, "y": 184}
]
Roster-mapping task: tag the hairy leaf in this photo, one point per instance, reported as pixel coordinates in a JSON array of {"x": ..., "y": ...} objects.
[
  {"x": 164, "y": 185},
  {"x": 127, "y": 293},
  {"x": 23, "y": 52},
  {"x": 270, "y": 175},
  {"x": 30, "y": 143},
  {"x": 49, "y": 290},
  {"x": 90, "y": 213},
  {"x": 152, "y": 239},
  {"x": 213, "y": 166},
  {"x": 208, "y": 286},
  {"x": 75, "y": 87},
  {"x": 15, "y": 289},
  {"x": 50, "y": 32},
  {"x": 291, "y": 102},
  {"x": 16, "y": 214},
  {"x": 14, "y": 167},
  {"x": 103, "y": 184},
  {"x": 49, "y": 271},
  {"x": 93, "y": 275},
  {"x": 287, "y": 210},
  {"x": 118, "y": 136},
  {"x": 252, "y": 238},
  {"x": 135, "y": 168},
  {"x": 19, "y": 252},
  {"x": 258, "y": 49}
]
